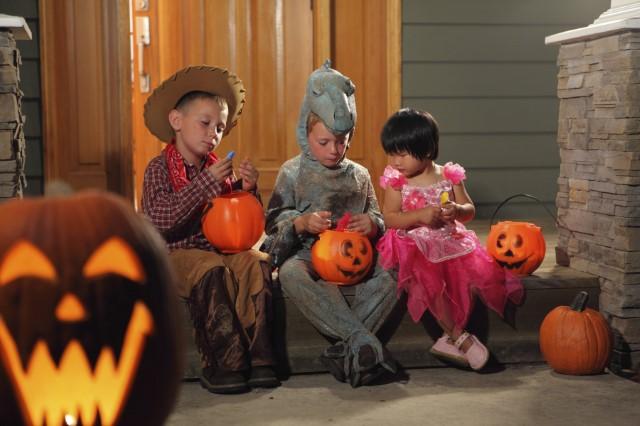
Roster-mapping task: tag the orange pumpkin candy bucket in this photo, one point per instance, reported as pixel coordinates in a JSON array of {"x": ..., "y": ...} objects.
[
  {"x": 234, "y": 223},
  {"x": 342, "y": 257},
  {"x": 517, "y": 246}
]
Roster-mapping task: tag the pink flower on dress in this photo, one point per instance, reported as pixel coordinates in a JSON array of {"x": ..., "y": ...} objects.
[
  {"x": 393, "y": 178},
  {"x": 454, "y": 173},
  {"x": 414, "y": 200}
]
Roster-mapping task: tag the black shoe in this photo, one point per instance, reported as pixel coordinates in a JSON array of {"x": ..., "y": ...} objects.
[
  {"x": 223, "y": 382},
  {"x": 263, "y": 377},
  {"x": 366, "y": 357},
  {"x": 335, "y": 367},
  {"x": 333, "y": 360},
  {"x": 369, "y": 370},
  {"x": 369, "y": 377}
]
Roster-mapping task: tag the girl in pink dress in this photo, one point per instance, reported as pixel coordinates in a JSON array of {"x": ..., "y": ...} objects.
[{"x": 441, "y": 264}]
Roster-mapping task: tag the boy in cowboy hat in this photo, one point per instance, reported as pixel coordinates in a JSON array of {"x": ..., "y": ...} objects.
[{"x": 229, "y": 296}]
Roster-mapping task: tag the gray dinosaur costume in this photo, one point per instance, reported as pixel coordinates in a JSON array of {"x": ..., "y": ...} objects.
[{"x": 303, "y": 186}]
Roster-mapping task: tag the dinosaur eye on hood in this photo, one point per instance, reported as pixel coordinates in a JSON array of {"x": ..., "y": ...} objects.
[{"x": 349, "y": 87}]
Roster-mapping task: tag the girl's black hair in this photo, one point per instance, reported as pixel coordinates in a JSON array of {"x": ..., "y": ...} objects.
[{"x": 411, "y": 131}]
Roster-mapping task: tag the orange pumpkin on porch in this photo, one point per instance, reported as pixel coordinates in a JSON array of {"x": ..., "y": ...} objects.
[
  {"x": 517, "y": 246},
  {"x": 342, "y": 257},
  {"x": 234, "y": 223},
  {"x": 575, "y": 340},
  {"x": 87, "y": 314}
]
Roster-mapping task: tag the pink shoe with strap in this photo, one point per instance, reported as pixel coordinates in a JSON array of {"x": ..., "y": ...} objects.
[
  {"x": 477, "y": 354},
  {"x": 445, "y": 349}
]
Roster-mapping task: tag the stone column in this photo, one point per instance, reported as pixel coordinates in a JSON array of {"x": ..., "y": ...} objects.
[
  {"x": 12, "y": 144},
  {"x": 598, "y": 196}
]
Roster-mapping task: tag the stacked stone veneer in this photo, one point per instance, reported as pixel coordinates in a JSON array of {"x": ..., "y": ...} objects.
[
  {"x": 12, "y": 179},
  {"x": 599, "y": 185}
]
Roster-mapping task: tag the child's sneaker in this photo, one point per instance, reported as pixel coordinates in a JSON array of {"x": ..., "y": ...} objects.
[
  {"x": 477, "y": 354},
  {"x": 445, "y": 349}
]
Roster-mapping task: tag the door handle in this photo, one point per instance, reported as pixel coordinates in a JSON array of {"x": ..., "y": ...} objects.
[{"x": 142, "y": 39}]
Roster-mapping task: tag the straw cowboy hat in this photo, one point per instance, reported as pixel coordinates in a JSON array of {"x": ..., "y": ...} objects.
[{"x": 217, "y": 81}]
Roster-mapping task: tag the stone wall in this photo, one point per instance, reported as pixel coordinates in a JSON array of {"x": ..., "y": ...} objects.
[
  {"x": 599, "y": 184},
  {"x": 12, "y": 145}
]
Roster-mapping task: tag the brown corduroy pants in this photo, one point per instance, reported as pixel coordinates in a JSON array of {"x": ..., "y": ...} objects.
[{"x": 229, "y": 299}]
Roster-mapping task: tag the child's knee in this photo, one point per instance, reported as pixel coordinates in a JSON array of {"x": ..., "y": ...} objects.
[
  {"x": 384, "y": 280},
  {"x": 287, "y": 271}
]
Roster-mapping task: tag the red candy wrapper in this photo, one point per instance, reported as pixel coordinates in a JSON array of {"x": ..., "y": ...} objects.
[{"x": 343, "y": 222}]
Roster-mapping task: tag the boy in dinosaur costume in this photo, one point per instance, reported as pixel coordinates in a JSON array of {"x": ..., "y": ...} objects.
[{"x": 316, "y": 186}]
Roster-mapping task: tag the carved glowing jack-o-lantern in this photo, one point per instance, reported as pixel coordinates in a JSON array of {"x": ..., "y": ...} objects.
[
  {"x": 342, "y": 257},
  {"x": 234, "y": 223},
  {"x": 517, "y": 246},
  {"x": 87, "y": 330}
]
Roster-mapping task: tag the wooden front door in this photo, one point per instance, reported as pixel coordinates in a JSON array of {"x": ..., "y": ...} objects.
[{"x": 93, "y": 84}]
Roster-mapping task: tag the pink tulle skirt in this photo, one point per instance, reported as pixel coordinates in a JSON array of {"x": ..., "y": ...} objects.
[{"x": 447, "y": 288}]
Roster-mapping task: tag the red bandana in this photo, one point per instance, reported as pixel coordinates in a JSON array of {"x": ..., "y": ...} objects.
[{"x": 177, "y": 169}]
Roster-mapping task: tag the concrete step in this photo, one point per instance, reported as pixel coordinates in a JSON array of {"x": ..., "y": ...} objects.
[{"x": 513, "y": 340}]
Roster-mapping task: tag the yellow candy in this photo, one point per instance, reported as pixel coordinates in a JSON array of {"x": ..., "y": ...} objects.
[{"x": 444, "y": 198}]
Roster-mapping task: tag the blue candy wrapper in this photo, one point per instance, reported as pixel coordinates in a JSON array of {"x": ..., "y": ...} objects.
[{"x": 230, "y": 155}]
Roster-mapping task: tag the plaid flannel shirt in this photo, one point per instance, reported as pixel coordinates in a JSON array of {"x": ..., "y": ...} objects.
[{"x": 177, "y": 215}]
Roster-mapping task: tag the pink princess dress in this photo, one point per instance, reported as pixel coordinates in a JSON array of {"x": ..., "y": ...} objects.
[{"x": 442, "y": 269}]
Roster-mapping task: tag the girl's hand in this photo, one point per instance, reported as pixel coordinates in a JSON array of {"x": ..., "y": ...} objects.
[
  {"x": 313, "y": 223},
  {"x": 221, "y": 170},
  {"x": 362, "y": 223},
  {"x": 449, "y": 212},
  {"x": 431, "y": 216},
  {"x": 249, "y": 175}
]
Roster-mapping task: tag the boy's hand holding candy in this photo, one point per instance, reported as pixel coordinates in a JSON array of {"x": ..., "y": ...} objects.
[
  {"x": 313, "y": 223},
  {"x": 363, "y": 224},
  {"x": 249, "y": 175},
  {"x": 221, "y": 169}
]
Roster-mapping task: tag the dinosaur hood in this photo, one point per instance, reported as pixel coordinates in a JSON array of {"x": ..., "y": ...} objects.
[{"x": 331, "y": 96}]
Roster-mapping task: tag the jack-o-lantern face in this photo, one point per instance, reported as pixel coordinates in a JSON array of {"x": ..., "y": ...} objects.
[
  {"x": 342, "y": 257},
  {"x": 517, "y": 246},
  {"x": 85, "y": 314}
]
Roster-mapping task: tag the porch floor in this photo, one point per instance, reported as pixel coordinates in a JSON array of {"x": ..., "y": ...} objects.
[{"x": 518, "y": 395}]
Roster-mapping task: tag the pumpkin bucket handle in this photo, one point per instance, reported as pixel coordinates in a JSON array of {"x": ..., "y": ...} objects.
[
  {"x": 522, "y": 194},
  {"x": 580, "y": 301},
  {"x": 206, "y": 209}
]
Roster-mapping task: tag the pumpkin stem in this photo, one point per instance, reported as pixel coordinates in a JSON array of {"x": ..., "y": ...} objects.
[{"x": 580, "y": 301}]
